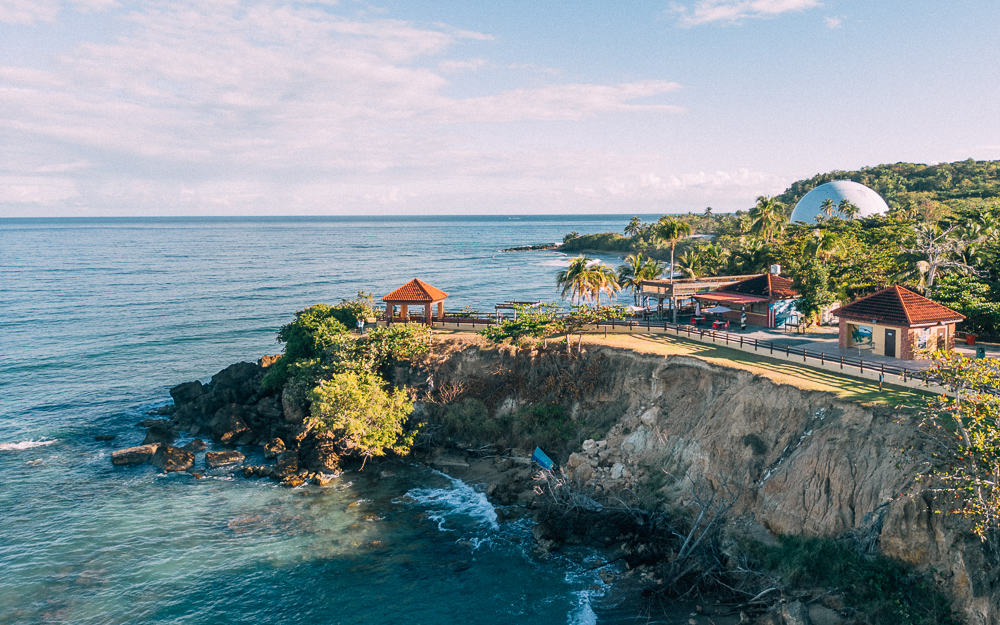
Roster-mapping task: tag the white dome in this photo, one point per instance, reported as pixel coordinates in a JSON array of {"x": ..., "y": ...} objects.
[{"x": 868, "y": 201}]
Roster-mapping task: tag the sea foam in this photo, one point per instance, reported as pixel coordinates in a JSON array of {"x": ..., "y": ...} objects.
[
  {"x": 22, "y": 445},
  {"x": 459, "y": 501}
]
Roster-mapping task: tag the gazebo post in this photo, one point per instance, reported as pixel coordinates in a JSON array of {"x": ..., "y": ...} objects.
[
  {"x": 427, "y": 314},
  {"x": 404, "y": 312},
  {"x": 440, "y": 315}
]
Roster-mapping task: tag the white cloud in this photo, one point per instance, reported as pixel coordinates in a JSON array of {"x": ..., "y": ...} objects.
[
  {"x": 33, "y": 11},
  {"x": 270, "y": 107},
  {"x": 463, "y": 65},
  {"x": 833, "y": 22},
  {"x": 733, "y": 11}
]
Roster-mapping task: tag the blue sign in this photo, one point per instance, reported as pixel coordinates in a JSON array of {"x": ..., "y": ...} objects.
[{"x": 543, "y": 461}]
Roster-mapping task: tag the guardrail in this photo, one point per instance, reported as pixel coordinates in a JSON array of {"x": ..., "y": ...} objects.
[
  {"x": 907, "y": 376},
  {"x": 855, "y": 367}
]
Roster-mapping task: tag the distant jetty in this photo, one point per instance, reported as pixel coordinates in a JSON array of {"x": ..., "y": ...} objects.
[{"x": 532, "y": 248}]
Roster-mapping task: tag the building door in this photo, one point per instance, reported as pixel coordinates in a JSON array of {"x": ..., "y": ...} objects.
[{"x": 890, "y": 343}]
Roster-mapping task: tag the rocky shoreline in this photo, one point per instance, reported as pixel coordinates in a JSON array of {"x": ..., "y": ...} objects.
[{"x": 627, "y": 430}]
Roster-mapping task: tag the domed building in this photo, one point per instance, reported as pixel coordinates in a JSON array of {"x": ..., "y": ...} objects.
[{"x": 810, "y": 207}]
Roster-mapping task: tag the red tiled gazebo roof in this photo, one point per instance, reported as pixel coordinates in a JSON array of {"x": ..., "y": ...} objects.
[
  {"x": 766, "y": 285},
  {"x": 416, "y": 292},
  {"x": 898, "y": 306}
]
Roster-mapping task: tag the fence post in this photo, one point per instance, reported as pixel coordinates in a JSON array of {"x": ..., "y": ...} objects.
[
  {"x": 786, "y": 351},
  {"x": 861, "y": 364},
  {"x": 803, "y": 354},
  {"x": 771, "y": 345},
  {"x": 755, "y": 345},
  {"x": 741, "y": 341},
  {"x": 841, "y": 362},
  {"x": 822, "y": 358}
]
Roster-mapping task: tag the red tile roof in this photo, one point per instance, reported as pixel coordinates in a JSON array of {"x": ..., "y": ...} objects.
[
  {"x": 415, "y": 291},
  {"x": 766, "y": 285},
  {"x": 898, "y": 306}
]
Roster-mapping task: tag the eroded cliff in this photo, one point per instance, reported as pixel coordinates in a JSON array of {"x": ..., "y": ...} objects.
[{"x": 624, "y": 425}]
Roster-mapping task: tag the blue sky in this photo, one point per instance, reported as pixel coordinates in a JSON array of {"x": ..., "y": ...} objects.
[{"x": 269, "y": 107}]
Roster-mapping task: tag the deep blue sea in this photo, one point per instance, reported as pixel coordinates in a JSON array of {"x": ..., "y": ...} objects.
[{"x": 100, "y": 317}]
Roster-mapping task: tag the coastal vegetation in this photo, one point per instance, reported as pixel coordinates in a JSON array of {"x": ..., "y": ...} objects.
[
  {"x": 941, "y": 238},
  {"x": 965, "y": 425},
  {"x": 343, "y": 376}
]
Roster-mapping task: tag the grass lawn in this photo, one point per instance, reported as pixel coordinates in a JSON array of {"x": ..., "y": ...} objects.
[{"x": 780, "y": 371}]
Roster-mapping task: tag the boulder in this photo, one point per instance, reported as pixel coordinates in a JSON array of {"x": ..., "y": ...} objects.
[
  {"x": 215, "y": 459},
  {"x": 323, "y": 456},
  {"x": 169, "y": 458},
  {"x": 187, "y": 392},
  {"x": 323, "y": 479},
  {"x": 134, "y": 455},
  {"x": 273, "y": 448},
  {"x": 293, "y": 481},
  {"x": 287, "y": 465},
  {"x": 237, "y": 383},
  {"x": 293, "y": 408},
  {"x": 159, "y": 431},
  {"x": 228, "y": 425},
  {"x": 195, "y": 446}
]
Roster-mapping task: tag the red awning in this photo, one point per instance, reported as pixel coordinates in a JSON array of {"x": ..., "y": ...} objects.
[{"x": 729, "y": 298}]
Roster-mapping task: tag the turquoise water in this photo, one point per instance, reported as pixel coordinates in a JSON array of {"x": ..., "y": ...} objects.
[{"x": 100, "y": 317}]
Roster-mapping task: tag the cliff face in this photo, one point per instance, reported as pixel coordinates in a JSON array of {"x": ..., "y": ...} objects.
[{"x": 798, "y": 462}]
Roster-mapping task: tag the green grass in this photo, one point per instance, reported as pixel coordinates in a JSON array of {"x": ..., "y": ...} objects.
[{"x": 884, "y": 590}]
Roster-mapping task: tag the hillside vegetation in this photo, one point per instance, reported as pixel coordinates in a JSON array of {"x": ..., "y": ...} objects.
[{"x": 941, "y": 237}]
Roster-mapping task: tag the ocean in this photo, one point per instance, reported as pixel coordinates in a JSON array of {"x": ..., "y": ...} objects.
[{"x": 100, "y": 317}]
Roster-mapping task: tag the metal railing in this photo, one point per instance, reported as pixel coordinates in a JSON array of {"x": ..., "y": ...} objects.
[
  {"x": 842, "y": 362},
  {"x": 770, "y": 348}
]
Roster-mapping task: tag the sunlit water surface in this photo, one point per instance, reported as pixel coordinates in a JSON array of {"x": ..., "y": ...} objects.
[{"x": 98, "y": 318}]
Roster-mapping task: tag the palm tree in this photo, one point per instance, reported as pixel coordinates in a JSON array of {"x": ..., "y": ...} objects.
[
  {"x": 824, "y": 244},
  {"x": 587, "y": 279},
  {"x": 630, "y": 274},
  {"x": 573, "y": 279},
  {"x": 671, "y": 231},
  {"x": 767, "y": 218},
  {"x": 690, "y": 264},
  {"x": 634, "y": 227},
  {"x": 827, "y": 208},
  {"x": 652, "y": 269},
  {"x": 602, "y": 280},
  {"x": 848, "y": 209}
]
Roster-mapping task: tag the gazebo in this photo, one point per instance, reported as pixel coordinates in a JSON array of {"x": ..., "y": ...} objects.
[
  {"x": 414, "y": 293},
  {"x": 898, "y": 323}
]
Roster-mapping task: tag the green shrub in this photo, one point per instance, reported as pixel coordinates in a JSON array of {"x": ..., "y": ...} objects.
[
  {"x": 884, "y": 590},
  {"x": 363, "y": 415}
]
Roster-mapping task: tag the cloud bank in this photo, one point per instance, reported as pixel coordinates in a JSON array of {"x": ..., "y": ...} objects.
[{"x": 195, "y": 107}]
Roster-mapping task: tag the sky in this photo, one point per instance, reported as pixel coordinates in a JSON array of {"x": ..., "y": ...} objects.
[{"x": 271, "y": 107}]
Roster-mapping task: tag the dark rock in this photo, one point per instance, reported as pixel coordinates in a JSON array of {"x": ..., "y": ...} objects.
[
  {"x": 322, "y": 456},
  {"x": 187, "y": 392},
  {"x": 195, "y": 446},
  {"x": 258, "y": 471},
  {"x": 292, "y": 481},
  {"x": 163, "y": 410},
  {"x": 274, "y": 447},
  {"x": 292, "y": 406},
  {"x": 323, "y": 479},
  {"x": 288, "y": 464},
  {"x": 160, "y": 431},
  {"x": 105, "y": 437},
  {"x": 215, "y": 459},
  {"x": 228, "y": 424},
  {"x": 237, "y": 383},
  {"x": 269, "y": 408},
  {"x": 134, "y": 455},
  {"x": 168, "y": 458}
]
